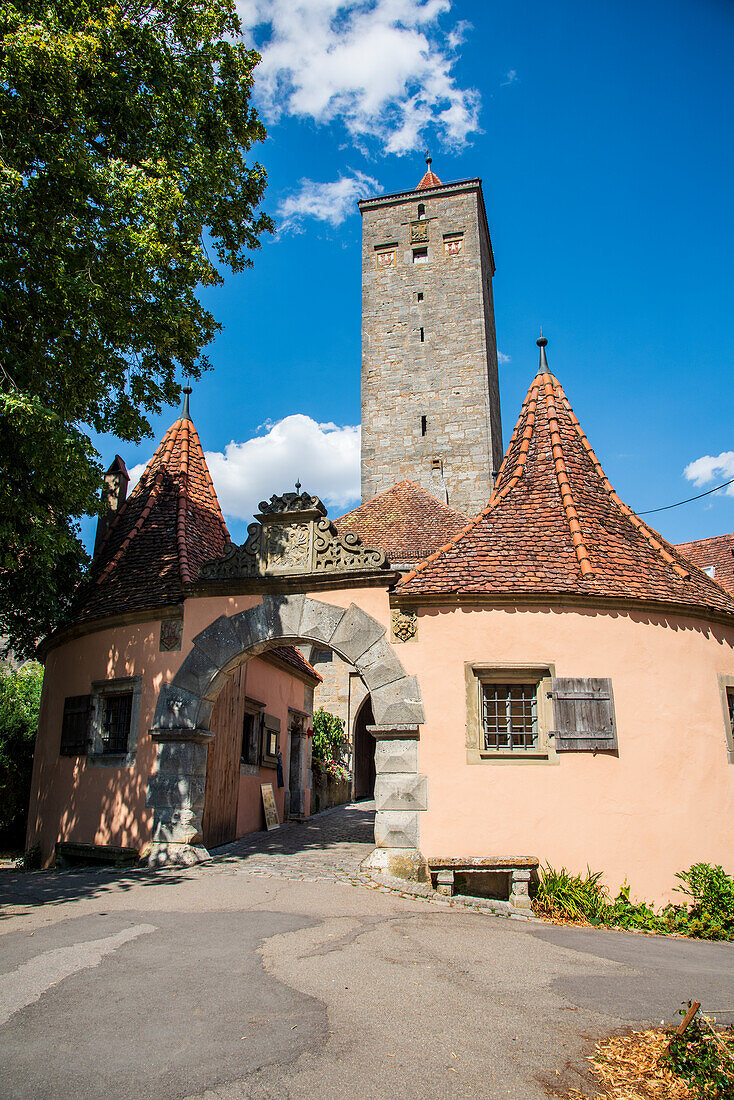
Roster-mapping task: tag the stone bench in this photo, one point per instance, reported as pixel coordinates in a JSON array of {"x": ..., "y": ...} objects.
[
  {"x": 68, "y": 852},
  {"x": 519, "y": 871}
]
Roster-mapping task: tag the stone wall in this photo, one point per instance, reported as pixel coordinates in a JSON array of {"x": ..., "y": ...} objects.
[{"x": 430, "y": 391}]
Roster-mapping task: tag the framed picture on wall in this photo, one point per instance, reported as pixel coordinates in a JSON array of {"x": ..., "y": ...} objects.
[{"x": 270, "y": 740}]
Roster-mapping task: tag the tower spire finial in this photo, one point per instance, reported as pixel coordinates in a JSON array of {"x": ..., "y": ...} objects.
[
  {"x": 542, "y": 344},
  {"x": 429, "y": 158},
  {"x": 185, "y": 414}
]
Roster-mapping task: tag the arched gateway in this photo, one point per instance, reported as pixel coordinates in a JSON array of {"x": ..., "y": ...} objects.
[{"x": 181, "y": 728}]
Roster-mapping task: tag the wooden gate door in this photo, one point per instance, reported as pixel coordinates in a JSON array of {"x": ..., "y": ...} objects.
[{"x": 219, "y": 824}]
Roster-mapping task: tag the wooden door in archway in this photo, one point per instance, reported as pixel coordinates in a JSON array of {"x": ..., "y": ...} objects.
[{"x": 219, "y": 822}]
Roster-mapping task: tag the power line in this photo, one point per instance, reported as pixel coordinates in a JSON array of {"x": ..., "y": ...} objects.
[{"x": 667, "y": 507}]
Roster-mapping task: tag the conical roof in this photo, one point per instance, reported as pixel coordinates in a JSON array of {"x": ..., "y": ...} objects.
[
  {"x": 169, "y": 525},
  {"x": 430, "y": 179},
  {"x": 405, "y": 521},
  {"x": 555, "y": 526}
]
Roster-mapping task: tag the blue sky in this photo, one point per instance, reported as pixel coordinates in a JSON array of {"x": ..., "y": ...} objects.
[{"x": 603, "y": 136}]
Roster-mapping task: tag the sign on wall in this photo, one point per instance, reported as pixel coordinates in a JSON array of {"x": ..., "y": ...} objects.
[{"x": 271, "y": 810}]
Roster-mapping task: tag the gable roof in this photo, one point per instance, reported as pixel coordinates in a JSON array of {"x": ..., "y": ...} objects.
[
  {"x": 293, "y": 657},
  {"x": 555, "y": 526},
  {"x": 169, "y": 525},
  {"x": 404, "y": 521},
  {"x": 717, "y": 552}
]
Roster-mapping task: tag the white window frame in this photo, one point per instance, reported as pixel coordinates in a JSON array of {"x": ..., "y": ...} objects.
[{"x": 726, "y": 686}]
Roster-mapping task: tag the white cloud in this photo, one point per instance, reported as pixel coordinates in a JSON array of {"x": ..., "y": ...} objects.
[
  {"x": 510, "y": 78},
  {"x": 330, "y": 202},
  {"x": 323, "y": 457},
  {"x": 502, "y": 358},
  {"x": 384, "y": 68},
  {"x": 712, "y": 468}
]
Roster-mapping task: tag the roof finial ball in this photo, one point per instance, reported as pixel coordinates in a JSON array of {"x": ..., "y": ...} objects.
[
  {"x": 429, "y": 158},
  {"x": 542, "y": 344}
]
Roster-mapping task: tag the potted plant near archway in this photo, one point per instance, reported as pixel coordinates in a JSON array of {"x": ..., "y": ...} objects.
[{"x": 331, "y": 778}]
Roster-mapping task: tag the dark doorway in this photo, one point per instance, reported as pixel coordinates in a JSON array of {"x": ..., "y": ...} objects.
[{"x": 364, "y": 753}]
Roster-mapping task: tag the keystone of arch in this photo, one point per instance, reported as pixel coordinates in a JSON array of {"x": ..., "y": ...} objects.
[{"x": 187, "y": 702}]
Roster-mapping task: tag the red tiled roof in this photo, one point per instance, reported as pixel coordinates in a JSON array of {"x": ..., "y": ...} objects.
[
  {"x": 405, "y": 521},
  {"x": 429, "y": 180},
  {"x": 295, "y": 659},
  {"x": 169, "y": 525},
  {"x": 717, "y": 552},
  {"x": 554, "y": 525}
]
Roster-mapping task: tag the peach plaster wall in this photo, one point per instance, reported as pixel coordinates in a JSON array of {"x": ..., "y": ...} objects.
[{"x": 668, "y": 799}]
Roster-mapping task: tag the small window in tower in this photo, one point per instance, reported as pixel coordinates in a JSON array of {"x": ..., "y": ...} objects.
[
  {"x": 424, "y": 425},
  {"x": 421, "y": 210},
  {"x": 420, "y": 255},
  {"x": 423, "y": 336},
  {"x": 420, "y": 295}
]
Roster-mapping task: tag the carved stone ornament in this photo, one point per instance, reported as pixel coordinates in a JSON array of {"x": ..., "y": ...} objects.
[
  {"x": 171, "y": 635},
  {"x": 404, "y": 625},
  {"x": 293, "y": 537},
  {"x": 418, "y": 232}
]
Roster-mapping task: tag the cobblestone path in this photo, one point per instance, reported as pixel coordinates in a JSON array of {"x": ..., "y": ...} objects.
[{"x": 329, "y": 846}]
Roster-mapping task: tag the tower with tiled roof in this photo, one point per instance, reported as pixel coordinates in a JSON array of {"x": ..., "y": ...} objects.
[
  {"x": 554, "y": 526},
  {"x": 430, "y": 391},
  {"x": 154, "y": 544}
]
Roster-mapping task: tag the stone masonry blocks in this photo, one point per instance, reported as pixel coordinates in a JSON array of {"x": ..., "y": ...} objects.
[
  {"x": 220, "y": 641},
  {"x": 178, "y": 709},
  {"x": 378, "y": 665},
  {"x": 181, "y": 758},
  {"x": 396, "y": 757},
  {"x": 401, "y": 792},
  {"x": 320, "y": 620},
  {"x": 355, "y": 633},
  {"x": 197, "y": 673},
  {"x": 396, "y": 830},
  {"x": 398, "y": 703}
]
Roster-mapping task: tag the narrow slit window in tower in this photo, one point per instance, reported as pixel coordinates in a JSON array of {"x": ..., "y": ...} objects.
[
  {"x": 422, "y": 336},
  {"x": 421, "y": 210},
  {"x": 420, "y": 255},
  {"x": 420, "y": 295},
  {"x": 424, "y": 425}
]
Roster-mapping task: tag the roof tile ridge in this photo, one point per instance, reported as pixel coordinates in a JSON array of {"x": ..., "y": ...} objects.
[
  {"x": 567, "y": 500},
  {"x": 531, "y": 399},
  {"x": 154, "y": 491},
  {"x": 183, "y": 485},
  {"x": 197, "y": 443},
  {"x": 633, "y": 518}
]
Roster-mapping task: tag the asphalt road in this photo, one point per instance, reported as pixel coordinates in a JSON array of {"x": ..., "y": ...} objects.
[{"x": 275, "y": 976}]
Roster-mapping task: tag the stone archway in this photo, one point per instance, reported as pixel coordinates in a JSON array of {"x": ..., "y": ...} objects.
[{"x": 181, "y": 724}]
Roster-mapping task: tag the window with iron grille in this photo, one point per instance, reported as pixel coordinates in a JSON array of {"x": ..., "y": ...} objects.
[
  {"x": 116, "y": 717},
  {"x": 75, "y": 733},
  {"x": 510, "y": 716},
  {"x": 730, "y": 701}
]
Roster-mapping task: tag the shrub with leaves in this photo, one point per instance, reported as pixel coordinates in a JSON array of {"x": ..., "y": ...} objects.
[
  {"x": 704, "y": 1057},
  {"x": 329, "y": 743},
  {"x": 709, "y": 915},
  {"x": 20, "y": 700}
]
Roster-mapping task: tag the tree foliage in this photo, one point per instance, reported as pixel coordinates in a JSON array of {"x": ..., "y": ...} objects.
[
  {"x": 20, "y": 699},
  {"x": 329, "y": 744},
  {"x": 125, "y": 129}
]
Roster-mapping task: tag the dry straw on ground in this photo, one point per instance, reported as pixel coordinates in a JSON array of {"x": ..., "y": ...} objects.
[{"x": 628, "y": 1068}]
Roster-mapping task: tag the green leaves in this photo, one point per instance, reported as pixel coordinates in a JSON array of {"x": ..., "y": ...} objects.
[
  {"x": 125, "y": 131},
  {"x": 20, "y": 700}
]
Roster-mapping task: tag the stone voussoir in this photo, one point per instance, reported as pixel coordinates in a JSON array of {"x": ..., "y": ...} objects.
[
  {"x": 379, "y": 665},
  {"x": 398, "y": 703},
  {"x": 356, "y": 632}
]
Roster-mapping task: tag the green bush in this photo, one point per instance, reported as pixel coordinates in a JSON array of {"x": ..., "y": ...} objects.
[
  {"x": 329, "y": 743},
  {"x": 703, "y": 1057},
  {"x": 20, "y": 700},
  {"x": 709, "y": 914}
]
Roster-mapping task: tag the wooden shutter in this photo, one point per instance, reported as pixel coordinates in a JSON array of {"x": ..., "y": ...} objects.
[
  {"x": 75, "y": 731},
  {"x": 583, "y": 715},
  {"x": 271, "y": 725}
]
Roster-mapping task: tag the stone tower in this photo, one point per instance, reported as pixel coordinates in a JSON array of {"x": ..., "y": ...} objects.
[{"x": 430, "y": 392}]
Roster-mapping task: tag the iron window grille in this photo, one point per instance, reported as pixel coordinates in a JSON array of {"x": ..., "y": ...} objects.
[
  {"x": 510, "y": 716},
  {"x": 730, "y": 701},
  {"x": 116, "y": 718}
]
